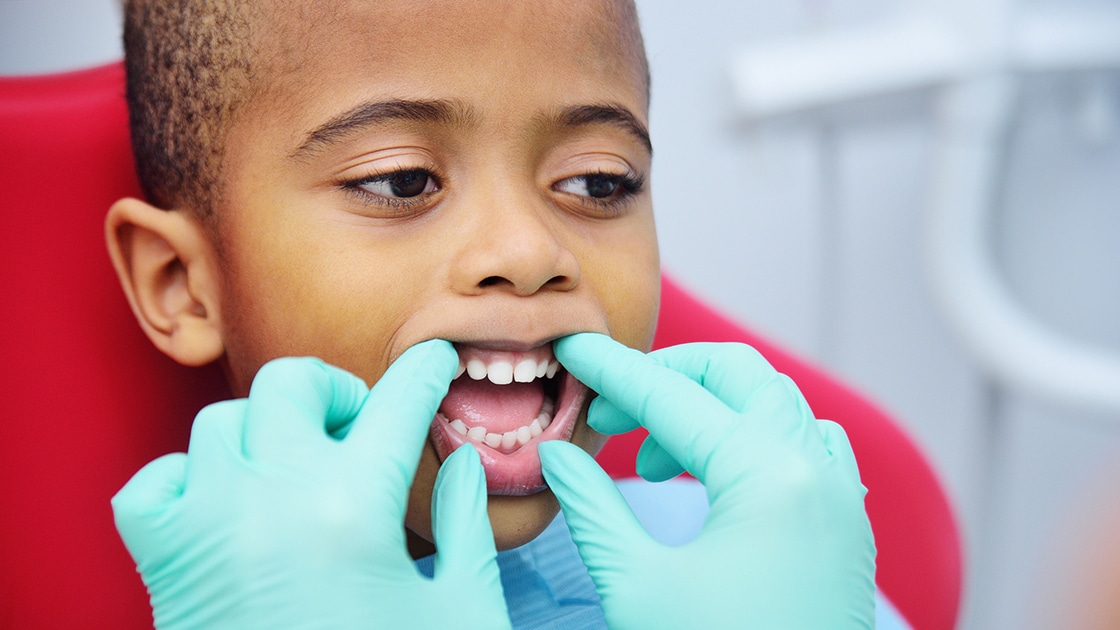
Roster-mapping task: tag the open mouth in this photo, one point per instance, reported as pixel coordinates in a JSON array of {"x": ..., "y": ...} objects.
[{"x": 505, "y": 404}]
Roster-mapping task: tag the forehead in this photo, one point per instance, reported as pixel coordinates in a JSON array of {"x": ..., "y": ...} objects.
[{"x": 318, "y": 58}]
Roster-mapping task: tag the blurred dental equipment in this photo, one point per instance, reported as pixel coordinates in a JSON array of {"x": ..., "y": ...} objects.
[{"x": 972, "y": 55}]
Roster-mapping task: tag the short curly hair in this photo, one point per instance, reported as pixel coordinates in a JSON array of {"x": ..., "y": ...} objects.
[{"x": 189, "y": 66}]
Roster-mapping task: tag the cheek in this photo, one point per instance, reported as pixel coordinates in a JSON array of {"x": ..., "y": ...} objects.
[
  {"x": 319, "y": 303},
  {"x": 628, "y": 281},
  {"x": 632, "y": 317}
]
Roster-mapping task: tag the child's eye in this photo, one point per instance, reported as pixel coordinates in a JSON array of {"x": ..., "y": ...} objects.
[
  {"x": 603, "y": 192},
  {"x": 397, "y": 193},
  {"x": 403, "y": 184},
  {"x": 596, "y": 186}
]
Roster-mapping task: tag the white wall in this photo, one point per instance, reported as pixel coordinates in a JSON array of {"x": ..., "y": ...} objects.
[
  {"x": 56, "y": 35},
  {"x": 810, "y": 229}
]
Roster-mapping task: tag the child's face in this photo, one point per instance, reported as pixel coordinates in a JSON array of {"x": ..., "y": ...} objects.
[{"x": 469, "y": 171}]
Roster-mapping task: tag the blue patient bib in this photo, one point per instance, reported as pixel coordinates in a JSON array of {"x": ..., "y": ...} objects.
[{"x": 547, "y": 586}]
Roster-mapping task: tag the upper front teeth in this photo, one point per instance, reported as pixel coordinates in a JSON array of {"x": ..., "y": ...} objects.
[
  {"x": 501, "y": 372},
  {"x": 525, "y": 371}
]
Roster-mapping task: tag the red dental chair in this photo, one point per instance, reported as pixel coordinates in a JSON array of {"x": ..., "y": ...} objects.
[{"x": 86, "y": 400}]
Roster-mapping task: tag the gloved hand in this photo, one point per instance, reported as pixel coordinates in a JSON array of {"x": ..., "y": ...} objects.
[
  {"x": 288, "y": 509},
  {"x": 787, "y": 543}
]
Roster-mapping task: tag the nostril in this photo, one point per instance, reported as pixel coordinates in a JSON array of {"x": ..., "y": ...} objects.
[
  {"x": 557, "y": 281},
  {"x": 491, "y": 281}
]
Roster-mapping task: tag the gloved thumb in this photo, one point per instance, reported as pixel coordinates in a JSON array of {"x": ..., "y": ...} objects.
[
  {"x": 602, "y": 524},
  {"x": 461, "y": 525}
]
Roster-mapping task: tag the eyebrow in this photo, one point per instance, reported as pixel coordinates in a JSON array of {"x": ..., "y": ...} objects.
[
  {"x": 372, "y": 113},
  {"x": 608, "y": 114},
  {"x": 441, "y": 111}
]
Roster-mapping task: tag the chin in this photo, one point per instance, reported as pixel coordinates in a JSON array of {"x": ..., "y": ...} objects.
[{"x": 518, "y": 520}]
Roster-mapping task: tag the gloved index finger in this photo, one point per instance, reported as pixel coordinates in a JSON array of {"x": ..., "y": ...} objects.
[
  {"x": 392, "y": 425},
  {"x": 687, "y": 420},
  {"x": 733, "y": 372}
]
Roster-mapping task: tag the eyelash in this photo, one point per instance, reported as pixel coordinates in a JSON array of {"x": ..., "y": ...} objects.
[
  {"x": 628, "y": 185},
  {"x": 402, "y": 205}
]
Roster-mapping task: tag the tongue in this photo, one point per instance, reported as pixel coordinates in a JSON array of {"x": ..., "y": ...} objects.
[{"x": 497, "y": 408}]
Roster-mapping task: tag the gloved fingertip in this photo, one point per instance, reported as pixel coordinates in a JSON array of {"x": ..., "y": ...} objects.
[
  {"x": 604, "y": 417},
  {"x": 574, "y": 477},
  {"x": 347, "y": 393},
  {"x": 462, "y": 468},
  {"x": 159, "y": 481},
  {"x": 838, "y": 445},
  {"x": 556, "y": 453},
  {"x": 150, "y": 492},
  {"x": 426, "y": 363},
  {"x": 576, "y": 344},
  {"x": 654, "y": 474},
  {"x": 582, "y": 354},
  {"x": 279, "y": 376},
  {"x": 654, "y": 463},
  {"x": 393, "y": 421},
  {"x": 561, "y": 466},
  {"x": 834, "y": 436},
  {"x": 440, "y": 348},
  {"x": 460, "y": 522},
  {"x": 438, "y": 351}
]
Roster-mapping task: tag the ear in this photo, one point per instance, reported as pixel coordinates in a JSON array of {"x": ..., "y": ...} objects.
[{"x": 167, "y": 268}]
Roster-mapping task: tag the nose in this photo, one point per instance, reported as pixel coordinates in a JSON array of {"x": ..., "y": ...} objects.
[{"x": 514, "y": 246}]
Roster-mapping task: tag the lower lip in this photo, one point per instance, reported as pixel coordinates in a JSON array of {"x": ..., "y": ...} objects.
[{"x": 517, "y": 473}]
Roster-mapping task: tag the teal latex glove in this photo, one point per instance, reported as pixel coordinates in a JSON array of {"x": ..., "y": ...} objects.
[
  {"x": 287, "y": 510},
  {"x": 787, "y": 543}
]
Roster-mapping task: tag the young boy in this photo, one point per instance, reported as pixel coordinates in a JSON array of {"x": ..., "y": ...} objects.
[{"x": 347, "y": 180}]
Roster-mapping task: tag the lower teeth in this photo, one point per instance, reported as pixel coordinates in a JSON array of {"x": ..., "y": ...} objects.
[{"x": 510, "y": 439}]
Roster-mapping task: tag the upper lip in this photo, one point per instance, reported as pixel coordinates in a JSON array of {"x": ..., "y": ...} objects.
[{"x": 505, "y": 345}]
